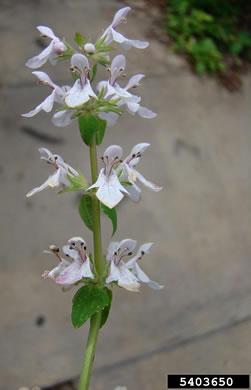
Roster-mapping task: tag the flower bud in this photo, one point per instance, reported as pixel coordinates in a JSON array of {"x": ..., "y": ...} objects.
[
  {"x": 89, "y": 48},
  {"x": 59, "y": 48}
]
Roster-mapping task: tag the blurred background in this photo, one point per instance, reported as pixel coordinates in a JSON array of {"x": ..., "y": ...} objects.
[{"x": 200, "y": 222}]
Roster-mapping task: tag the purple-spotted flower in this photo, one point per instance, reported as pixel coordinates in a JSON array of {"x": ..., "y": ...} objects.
[
  {"x": 61, "y": 266},
  {"x": 111, "y": 34},
  {"x": 128, "y": 275},
  {"x": 118, "y": 271},
  {"x": 55, "y": 48},
  {"x": 81, "y": 91},
  {"x": 130, "y": 176},
  {"x": 57, "y": 95},
  {"x": 80, "y": 267},
  {"x": 114, "y": 90},
  {"x": 110, "y": 192},
  {"x": 59, "y": 178}
]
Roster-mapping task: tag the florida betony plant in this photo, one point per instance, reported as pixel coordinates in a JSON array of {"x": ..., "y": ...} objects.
[{"x": 95, "y": 106}]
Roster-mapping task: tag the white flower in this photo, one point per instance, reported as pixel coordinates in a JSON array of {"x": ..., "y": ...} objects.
[
  {"x": 127, "y": 172},
  {"x": 118, "y": 270},
  {"x": 81, "y": 91},
  {"x": 111, "y": 34},
  {"x": 55, "y": 48},
  {"x": 81, "y": 265},
  {"x": 110, "y": 191},
  {"x": 137, "y": 271},
  {"x": 57, "y": 95},
  {"x": 60, "y": 175},
  {"x": 62, "y": 265},
  {"x": 128, "y": 275},
  {"x": 113, "y": 90}
]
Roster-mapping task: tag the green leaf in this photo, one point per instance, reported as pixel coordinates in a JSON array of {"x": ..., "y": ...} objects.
[
  {"x": 89, "y": 125},
  {"x": 87, "y": 301},
  {"x": 85, "y": 210},
  {"x": 125, "y": 183},
  {"x": 101, "y": 131},
  {"x": 106, "y": 310},
  {"x": 79, "y": 39},
  {"x": 111, "y": 213},
  {"x": 78, "y": 183},
  {"x": 94, "y": 72}
]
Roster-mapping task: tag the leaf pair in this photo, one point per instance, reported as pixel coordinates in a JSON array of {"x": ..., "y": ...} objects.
[
  {"x": 85, "y": 212},
  {"x": 89, "y": 300}
]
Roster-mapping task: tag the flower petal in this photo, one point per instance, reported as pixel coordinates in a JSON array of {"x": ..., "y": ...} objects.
[
  {"x": 128, "y": 43},
  {"x": 134, "y": 192},
  {"x": 45, "y": 154},
  {"x": 42, "y": 76},
  {"x": 117, "y": 67},
  {"x": 46, "y": 106},
  {"x": 151, "y": 186},
  {"x": 38, "y": 189},
  {"x": 129, "y": 244},
  {"x": 146, "y": 113},
  {"x": 124, "y": 277},
  {"x": 47, "y": 32},
  {"x": 119, "y": 16},
  {"x": 40, "y": 59},
  {"x": 86, "y": 271},
  {"x": 71, "y": 275},
  {"x": 134, "y": 81},
  {"x": 80, "y": 61},
  {"x": 113, "y": 247},
  {"x": 110, "y": 193},
  {"x": 79, "y": 95},
  {"x": 140, "y": 148},
  {"x": 62, "y": 118},
  {"x": 110, "y": 117},
  {"x": 112, "y": 152}
]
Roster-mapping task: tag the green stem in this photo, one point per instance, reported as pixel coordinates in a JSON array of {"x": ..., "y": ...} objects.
[
  {"x": 96, "y": 212},
  {"x": 90, "y": 352},
  {"x": 96, "y": 318}
]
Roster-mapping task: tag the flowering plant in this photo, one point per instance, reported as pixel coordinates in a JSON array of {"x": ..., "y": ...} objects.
[{"x": 95, "y": 109}]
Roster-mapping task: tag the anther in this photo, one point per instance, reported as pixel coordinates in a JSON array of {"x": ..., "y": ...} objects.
[
  {"x": 130, "y": 254},
  {"x": 142, "y": 253}
]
